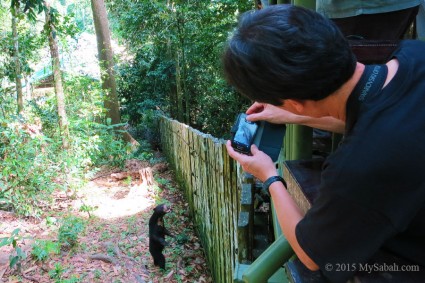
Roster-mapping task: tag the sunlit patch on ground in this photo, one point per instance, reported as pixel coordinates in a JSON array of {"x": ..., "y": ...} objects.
[{"x": 113, "y": 202}]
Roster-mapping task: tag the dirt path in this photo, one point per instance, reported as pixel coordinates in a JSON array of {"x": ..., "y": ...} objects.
[{"x": 114, "y": 245}]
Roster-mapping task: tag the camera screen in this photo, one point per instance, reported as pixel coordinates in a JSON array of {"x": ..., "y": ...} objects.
[{"x": 245, "y": 133}]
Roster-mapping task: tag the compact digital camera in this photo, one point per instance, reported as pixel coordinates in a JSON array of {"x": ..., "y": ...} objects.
[{"x": 266, "y": 136}]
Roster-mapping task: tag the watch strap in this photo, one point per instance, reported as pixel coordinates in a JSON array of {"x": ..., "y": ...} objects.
[{"x": 271, "y": 180}]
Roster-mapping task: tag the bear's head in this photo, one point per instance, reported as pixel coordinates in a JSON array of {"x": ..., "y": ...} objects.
[{"x": 162, "y": 209}]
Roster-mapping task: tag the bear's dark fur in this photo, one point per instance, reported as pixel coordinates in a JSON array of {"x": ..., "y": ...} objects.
[{"x": 157, "y": 234}]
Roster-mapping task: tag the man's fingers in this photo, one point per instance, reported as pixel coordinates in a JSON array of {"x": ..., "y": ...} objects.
[
  {"x": 253, "y": 117},
  {"x": 241, "y": 158},
  {"x": 255, "y": 108},
  {"x": 251, "y": 108},
  {"x": 233, "y": 154}
]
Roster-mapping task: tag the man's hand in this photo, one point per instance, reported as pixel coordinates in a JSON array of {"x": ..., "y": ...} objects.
[
  {"x": 277, "y": 115},
  {"x": 270, "y": 113},
  {"x": 258, "y": 164}
]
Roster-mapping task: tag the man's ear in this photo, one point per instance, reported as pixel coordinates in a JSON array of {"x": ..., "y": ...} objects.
[{"x": 295, "y": 104}]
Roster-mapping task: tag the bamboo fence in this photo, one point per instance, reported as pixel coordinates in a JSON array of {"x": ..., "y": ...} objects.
[{"x": 209, "y": 179}]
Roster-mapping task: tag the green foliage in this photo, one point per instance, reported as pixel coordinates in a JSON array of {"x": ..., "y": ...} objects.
[
  {"x": 71, "y": 227},
  {"x": 57, "y": 274},
  {"x": 30, "y": 42},
  {"x": 41, "y": 249},
  {"x": 7, "y": 101},
  {"x": 32, "y": 7},
  {"x": 182, "y": 239},
  {"x": 105, "y": 236},
  {"x": 31, "y": 162},
  {"x": 18, "y": 255},
  {"x": 82, "y": 14},
  {"x": 93, "y": 143},
  {"x": 97, "y": 273},
  {"x": 184, "y": 37},
  {"x": 87, "y": 208},
  {"x": 147, "y": 125},
  {"x": 176, "y": 66},
  {"x": 51, "y": 221},
  {"x": 165, "y": 184},
  {"x": 47, "y": 113},
  {"x": 26, "y": 169},
  {"x": 64, "y": 25}
]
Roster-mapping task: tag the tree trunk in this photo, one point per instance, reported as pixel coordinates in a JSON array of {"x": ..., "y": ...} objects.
[
  {"x": 179, "y": 89},
  {"x": 185, "y": 90},
  {"x": 183, "y": 96},
  {"x": 172, "y": 91},
  {"x": 60, "y": 97},
  {"x": 28, "y": 88},
  {"x": 106, "y": 60},
  {"x": 18, "y": 75}
]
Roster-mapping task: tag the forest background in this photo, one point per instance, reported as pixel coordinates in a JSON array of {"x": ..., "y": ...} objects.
[
  {"x": 63, "y": 116},
  {"x": 170, "y": 65}
]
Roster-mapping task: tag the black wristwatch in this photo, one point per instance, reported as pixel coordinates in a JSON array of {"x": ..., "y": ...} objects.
[{"x": 270, "y": 181}]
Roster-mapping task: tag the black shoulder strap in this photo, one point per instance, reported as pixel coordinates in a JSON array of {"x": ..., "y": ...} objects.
[{"x": 370, "y": 83}]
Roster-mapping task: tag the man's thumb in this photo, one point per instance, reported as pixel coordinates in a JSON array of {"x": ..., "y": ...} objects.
[{"x": 254, "y": 149}]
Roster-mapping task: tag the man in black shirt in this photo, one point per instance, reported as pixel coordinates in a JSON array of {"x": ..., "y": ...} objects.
[{"x": 298, "y": 68}]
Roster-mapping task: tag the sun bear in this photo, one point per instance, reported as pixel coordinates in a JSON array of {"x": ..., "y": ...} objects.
[{"x": 157, "y": 232}]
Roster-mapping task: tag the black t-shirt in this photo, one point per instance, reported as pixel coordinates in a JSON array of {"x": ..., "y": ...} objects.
[{"x": 372, "y": 191}]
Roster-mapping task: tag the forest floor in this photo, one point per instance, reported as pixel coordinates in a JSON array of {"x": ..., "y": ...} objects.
[{"x": 113, "y": 246}]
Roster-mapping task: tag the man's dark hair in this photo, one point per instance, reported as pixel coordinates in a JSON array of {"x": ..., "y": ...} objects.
[{"x": 285, "y": 51}]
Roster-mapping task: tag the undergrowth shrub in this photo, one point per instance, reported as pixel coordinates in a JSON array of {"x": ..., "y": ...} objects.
[
  {"x": 27, "y": 170},
  {"x": 42, "y": 249},
  {"x": 95, "y": 144},
  {"x": 32, "y": 161},
  {"x": 147, "y": 125},
  {"x": 69, "y": 231},
  {"x": 18, "y": 255},
  {"x": 94, "y": 140}
]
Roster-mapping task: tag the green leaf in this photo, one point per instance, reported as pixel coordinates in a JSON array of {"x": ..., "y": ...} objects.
[
  {"x": 4, "y": 242},
  {"x": 13, "y": 260}
]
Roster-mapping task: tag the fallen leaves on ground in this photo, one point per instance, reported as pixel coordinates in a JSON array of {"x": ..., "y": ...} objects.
[{"x": 114, "y": 245}]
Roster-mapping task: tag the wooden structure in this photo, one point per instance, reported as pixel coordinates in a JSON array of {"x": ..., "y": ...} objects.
[
  {"x": 208, "y": 177},
  {"x": 222, "y": 202}
]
